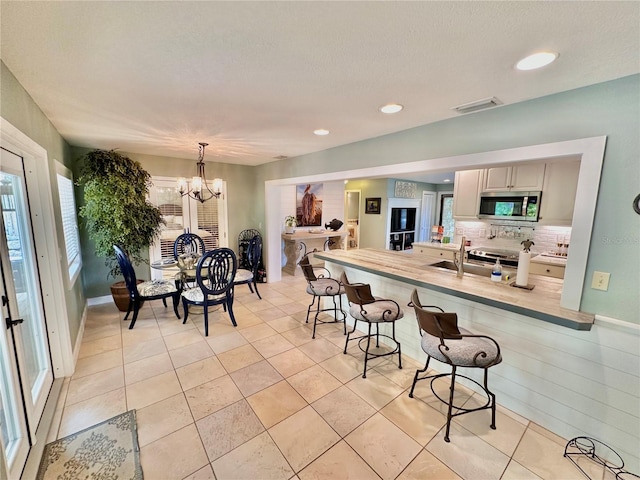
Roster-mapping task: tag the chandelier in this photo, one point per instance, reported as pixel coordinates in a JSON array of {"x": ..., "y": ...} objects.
[{"x": 200, "y": 189}]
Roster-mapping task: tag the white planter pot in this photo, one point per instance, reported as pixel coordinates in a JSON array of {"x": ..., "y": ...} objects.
[{"x": 288, "y": 229}]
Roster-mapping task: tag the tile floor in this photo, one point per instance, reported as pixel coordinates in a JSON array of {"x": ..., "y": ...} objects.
[{"x": 265, "y": 401}]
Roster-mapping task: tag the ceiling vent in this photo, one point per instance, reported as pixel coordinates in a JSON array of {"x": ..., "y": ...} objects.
[{"x": 477, "y": 105}]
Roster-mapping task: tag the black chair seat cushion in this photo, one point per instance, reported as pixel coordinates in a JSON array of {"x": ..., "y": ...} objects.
[
  {"x": 462, "y": 352},
  {"x": 377, "y": 312},
  {"x": 152, "y": 288},
  {"x": 325, "y": 287}
]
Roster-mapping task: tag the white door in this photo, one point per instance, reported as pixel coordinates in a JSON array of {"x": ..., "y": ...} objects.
[
  {"x": 208, "y": 220},
  {"x": 426, "y": 215},
  {"x": 24, "y": 345}
]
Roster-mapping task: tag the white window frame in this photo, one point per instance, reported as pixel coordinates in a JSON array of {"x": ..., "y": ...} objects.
[{"x": 68, "y": 216}]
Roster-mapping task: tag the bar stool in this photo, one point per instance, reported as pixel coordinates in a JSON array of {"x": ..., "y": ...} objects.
[
  {"x": 322, "y": 286},
  {"x": 443, "y": 340},
  {"x": 364, "y": 307}
]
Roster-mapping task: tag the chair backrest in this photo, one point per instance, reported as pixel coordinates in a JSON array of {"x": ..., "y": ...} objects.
[
  {"x": 127, "y": 270},
  {"x": 188, "y": 243},
  {"x": 216, "y": 271},
  {"x": 307, "y": 269},
  {"x": 437, "y": 324},
  {"x": 254, "y": 253},
  {"x": 358, "y": 293}
]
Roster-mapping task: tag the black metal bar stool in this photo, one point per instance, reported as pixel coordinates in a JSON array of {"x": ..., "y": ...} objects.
[
  {"x": 443, "y": 340},
  {"x": 364, "y": 307},
  {"x": 322, "y": 286}
]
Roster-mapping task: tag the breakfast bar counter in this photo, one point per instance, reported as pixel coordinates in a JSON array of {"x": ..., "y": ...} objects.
[{"x": 542, "y": 303}]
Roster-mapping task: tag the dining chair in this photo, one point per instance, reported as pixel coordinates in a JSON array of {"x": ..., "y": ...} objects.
[
  {"x": 149, "y": 290},
  {"x": 249, "y": 275},
  {"x": 364, "y": 307},
  {"x": 443, "y": 340},
  {"x": 215, "y": 274},
  {"x": 187, "y": 249}
]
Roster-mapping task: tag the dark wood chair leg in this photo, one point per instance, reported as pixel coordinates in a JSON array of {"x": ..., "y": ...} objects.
[
  {"x": 230, "y": 310},
  {"x": 185, "y": 309},
  {"x": 176, "y": 302},
  {"x": 255, "y": 285}
]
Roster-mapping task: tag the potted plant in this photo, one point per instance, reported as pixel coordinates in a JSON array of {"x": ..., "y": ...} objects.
[
  {"x": 116, "y": 211},
  {"x": 289, "y": 224}
]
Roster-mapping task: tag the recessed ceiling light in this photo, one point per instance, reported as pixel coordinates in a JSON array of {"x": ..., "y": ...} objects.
[
  {"x": 391, "y": 108},
  {"x": 321, "y": 132},
  {"x": 446, "y": 180},
  {"x": 537, "y": 60}
]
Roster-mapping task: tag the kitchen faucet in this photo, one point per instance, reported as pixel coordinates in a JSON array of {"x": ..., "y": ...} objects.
[{"x": 458, "y": 258}]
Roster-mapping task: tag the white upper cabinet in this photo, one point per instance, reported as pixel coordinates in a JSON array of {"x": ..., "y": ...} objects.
[
  {"x": 466, "y": 194},
  {"x": 559, "y": 192},
  {"x": 517, "y": 178}
]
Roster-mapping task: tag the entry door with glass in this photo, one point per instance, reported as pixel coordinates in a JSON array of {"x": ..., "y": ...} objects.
[
  {"x": 208, "y": 220},
  {"x": 24, "y": 346}
]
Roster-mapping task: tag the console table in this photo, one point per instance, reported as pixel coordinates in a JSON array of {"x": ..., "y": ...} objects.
[{"x": 297, "y": 244}]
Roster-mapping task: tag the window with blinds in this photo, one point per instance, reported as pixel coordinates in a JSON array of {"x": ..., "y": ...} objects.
[
  {"x": 207, "y": 220},
  {"x": 69, "y": 222}
]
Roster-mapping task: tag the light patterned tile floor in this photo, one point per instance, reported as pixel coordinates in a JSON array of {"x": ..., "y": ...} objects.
[{"x": 264, "y": 400}]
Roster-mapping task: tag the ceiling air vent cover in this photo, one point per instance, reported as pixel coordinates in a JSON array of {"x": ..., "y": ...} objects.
[{"x": 477, "y": 105}]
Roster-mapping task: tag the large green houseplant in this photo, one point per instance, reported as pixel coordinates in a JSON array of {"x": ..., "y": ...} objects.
[{"x": 116, "y": 210}]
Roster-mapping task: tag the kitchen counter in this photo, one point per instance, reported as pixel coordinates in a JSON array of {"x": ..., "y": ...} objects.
[{"x": 542, "y": 303}]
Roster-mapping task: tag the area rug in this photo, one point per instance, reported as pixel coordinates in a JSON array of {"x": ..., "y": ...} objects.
[{"x": 107, "y": 451}]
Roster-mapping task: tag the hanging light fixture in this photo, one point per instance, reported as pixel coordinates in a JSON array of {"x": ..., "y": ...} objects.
[{"x": 200, "y": 189}]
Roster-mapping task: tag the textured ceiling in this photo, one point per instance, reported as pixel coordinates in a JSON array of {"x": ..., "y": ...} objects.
[{"x": 254, "y": 79}]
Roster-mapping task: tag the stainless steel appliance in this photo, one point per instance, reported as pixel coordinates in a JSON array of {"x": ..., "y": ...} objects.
[
  {"x": 510, "y": 205},
  {"x": 507, "y": 257}
]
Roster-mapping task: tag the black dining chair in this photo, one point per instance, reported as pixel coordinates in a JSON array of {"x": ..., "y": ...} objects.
[
  {"x": 187, "y": 249},
  {"x": 249, "y": 275},
  {"x": 149, "y": 290},
  {"x": 215, "y": 273}
]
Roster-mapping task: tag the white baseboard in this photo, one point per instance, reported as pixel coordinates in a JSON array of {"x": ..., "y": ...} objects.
[
  {"x": 76, "y": 347},
  {"x": 99, "y": 300},
  {"x": 629, "y": 327}
]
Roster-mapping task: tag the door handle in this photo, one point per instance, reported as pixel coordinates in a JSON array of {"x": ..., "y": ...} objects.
[{"x": 8, "y": 320}]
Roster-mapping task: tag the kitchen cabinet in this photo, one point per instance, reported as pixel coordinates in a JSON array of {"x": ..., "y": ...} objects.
[
  {"x": 436, "y": 251},
  {"x": 528, "y": 177},
  {"x": 466, "y": 194},
  {"x": 559, "y": 192},
  {"x": 556, "y": 271}
]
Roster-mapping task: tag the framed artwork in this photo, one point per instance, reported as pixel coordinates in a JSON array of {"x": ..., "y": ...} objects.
[
  {"x": 405, "y": 189},
  {"x": 372, "y": 205},
  {"x": 309, "y": 205}
]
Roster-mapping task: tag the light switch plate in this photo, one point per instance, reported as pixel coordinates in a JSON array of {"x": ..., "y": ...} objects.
[
  {"x": 459, "y": 231},
  {"x": 600, "y": 281},
  {"x": 483, "y": 232}
]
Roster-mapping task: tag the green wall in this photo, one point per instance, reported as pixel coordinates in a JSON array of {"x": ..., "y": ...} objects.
[
  {"x": 240, "y": 204},
  {"x": 19, "y": 109},
  {"x": 610, "y": 108}
]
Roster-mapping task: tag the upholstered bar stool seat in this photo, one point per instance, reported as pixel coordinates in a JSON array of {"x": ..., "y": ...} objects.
[
  {"x": 364, "y": 307},
  {"x": 443, "y": 340}
]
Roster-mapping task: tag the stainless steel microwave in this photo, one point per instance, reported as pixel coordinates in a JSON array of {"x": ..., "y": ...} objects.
[{"x": 510, "y": 205}]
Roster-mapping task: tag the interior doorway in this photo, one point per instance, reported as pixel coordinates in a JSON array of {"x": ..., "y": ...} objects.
[
  {"x": 352, "y": 216},
  {"x": 427, "y": 214}
]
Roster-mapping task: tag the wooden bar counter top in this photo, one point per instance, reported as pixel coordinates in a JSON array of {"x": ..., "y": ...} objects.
[{"x": 543, "y": 302}]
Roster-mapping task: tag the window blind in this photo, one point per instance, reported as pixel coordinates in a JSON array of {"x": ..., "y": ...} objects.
[{"x": 69, "y": 225}]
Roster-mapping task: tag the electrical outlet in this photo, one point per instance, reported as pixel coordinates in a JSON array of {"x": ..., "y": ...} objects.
[
  {"x": 483, "y": 232},
  {"x": 600, "y": 281},
  {"x": 459, "y": 231}
]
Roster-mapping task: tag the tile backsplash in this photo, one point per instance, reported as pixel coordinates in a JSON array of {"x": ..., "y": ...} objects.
[{"x": 509, "y": 235}]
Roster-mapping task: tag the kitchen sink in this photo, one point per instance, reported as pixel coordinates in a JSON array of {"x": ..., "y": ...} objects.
[{"x": 468, "y": 268}]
